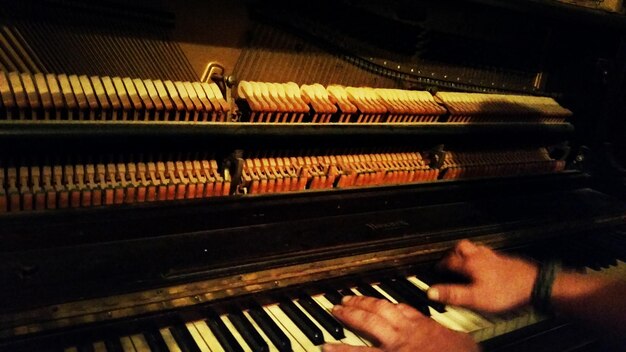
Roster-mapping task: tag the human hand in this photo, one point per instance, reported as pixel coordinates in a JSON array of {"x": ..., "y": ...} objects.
[
  {"x": 497, "y": 282},
  {"x": 396, "y": 327}
]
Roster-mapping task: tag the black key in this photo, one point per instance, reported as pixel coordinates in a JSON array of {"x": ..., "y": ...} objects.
[
  {"x": 270, "y": 328},
  {"x": 113, "y": 345},
  {"x": 221, "y": 332},
  {"x": 86, "y": 347},
  {"x": 155, "y": 341},
  {"x": 605, "y": 256},
  {"x": 435, "y": 276},
  {"x": 346, "y": 292},
  {"x": 586, "y": 257},
  {"x": 305, "y": 325},
  {"x": 334, "y": 328},
  {"x": 333, "y": 297},
  {"x": 439, "y": 307},
  {"x": 248, "y": 332},
  {"x": 426, "y": 276},
  {"x": 184, "y": 339},
  {"x": 400, "y": 295},
  {"x": 368, "y": 290}
]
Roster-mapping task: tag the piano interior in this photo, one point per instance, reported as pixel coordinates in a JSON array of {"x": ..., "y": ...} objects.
[{"x": 215, "y": 175}]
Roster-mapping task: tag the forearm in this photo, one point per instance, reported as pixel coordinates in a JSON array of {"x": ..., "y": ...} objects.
[{"x": 599, "y": 302}]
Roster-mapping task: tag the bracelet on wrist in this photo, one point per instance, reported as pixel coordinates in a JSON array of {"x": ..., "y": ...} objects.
[{"x": 542, "y": 289}]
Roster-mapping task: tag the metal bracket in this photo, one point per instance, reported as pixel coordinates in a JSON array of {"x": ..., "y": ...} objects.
[
  {"x": 437, "y": 156},
  {"x": 215, "y": 72},
  {"x": 234, "y": 163},
  {"x": 560, "y": 151}
]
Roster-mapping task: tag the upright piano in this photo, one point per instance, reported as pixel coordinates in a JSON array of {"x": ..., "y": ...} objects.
[{"x": 216, "y": 175}]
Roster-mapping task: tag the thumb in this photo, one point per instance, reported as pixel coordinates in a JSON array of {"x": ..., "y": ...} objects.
[{"x": 457, "y": 295}]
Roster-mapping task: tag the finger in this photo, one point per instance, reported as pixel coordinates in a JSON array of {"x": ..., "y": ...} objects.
[
  {"x": 454, "y": 262},
  {"x": 381, "y": 307},
  {"x": 458, "y": 295},
  {"x": 367, "y": 324},
  {"x": 409, "y": 312},
  {"x": 338, "y": 347},
  {"x": 465, "y": 248}
]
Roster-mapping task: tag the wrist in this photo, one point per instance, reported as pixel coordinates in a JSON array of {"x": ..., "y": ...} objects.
[{"x": 526, "y": 275}]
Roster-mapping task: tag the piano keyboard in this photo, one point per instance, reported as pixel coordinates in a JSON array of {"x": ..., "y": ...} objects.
[
  {"x": 299, "y": 317},
  {"x": 301, "y": 320},
  {"x": 305, "y": 323}
]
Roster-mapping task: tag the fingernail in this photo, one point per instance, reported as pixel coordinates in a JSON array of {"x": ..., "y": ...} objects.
[
  {"x": 337, "y": 308},
  {"x": 329, "y": 348},
  {"x": 346, "y": 299},
  {"x": 433, "y": 294}
]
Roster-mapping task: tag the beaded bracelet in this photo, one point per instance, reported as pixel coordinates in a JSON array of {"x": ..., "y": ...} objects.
[{"x": 542, "y": 289}]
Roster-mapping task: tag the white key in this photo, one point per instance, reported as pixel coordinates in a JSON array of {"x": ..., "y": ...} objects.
[
  {"x": 468, "y": 315},
  {"x": 327, "y": 336},
  {"x": 462, "y": 320},
  {"x": 382, "y": 292},
  {"x": 436, "y": 316},
  {"x": 169, "y": 340},
  {"x": 450, "y": 319},
  {"x": 351, "y": 338},
  {"x": 267, "y": 340},
  {"x": 484, "y": 328},
  {"x": 299, "y": 342},
  {"x": 235, "y": 333},
  {"x": 478, "y": 325},
  {"x": 501, "y": 324},
  {"x": 419, "y": 283},
  {"x": 140, "y": 343},
  {"x": 191, "y": 327},
  {"x": 208, "y": 336},
  {"x": 615, "y": 271},
  {"x": 356, "y": 292},
  {"x": 127, "y": 344},
  {"x": 447, "y": 321}
]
